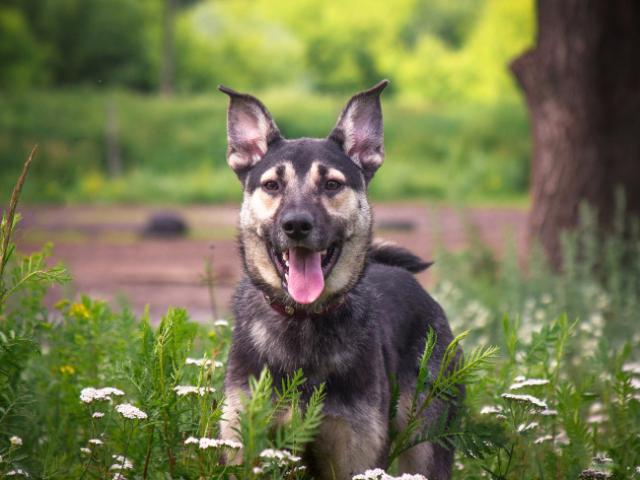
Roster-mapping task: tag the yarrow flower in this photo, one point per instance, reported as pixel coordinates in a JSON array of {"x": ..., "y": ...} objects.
[
  {"x": 632, "y": 368},
  {"x": 15, "y": 441},
  {"x": 379, "y": 474},
  {"x": 524, "y": 427},
  {"x": 548, "y": 412},
  {"x": 592, "y": 474},
  {"x": 97, "y": 414},
  {"x": 528, "y": 382},
  {"x": 375, "y": 474},
  {"x": 129, "y": 411},
  {"x": 16, "y": 472},
  {"x": 85, "y": 450},
  {"x": 118, "y": 476},
  {"x": 525, "y": 399},
  {"x": 95, "y": 441},
  {"x": 601, "y": 459},
  {"x": 490, "y": 409},
  {"x": 90, "y": 394},
  {"x": 221, "y": 323},
  {"x": 204, "y": 443},
  {"x": 183, "y": 390},
  {"x": 281, "y": 458},
  {"x": 123, "y": 463},
  {"x": 542, "y": 439}
]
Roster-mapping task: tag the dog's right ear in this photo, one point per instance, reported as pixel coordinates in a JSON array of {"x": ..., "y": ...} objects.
[{"x": 250, "y": 130}]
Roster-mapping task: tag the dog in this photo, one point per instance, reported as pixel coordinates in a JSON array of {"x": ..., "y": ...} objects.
[{"x": 320, "y": 296}]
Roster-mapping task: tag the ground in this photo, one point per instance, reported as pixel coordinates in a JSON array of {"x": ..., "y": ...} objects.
[{"x": 109, "y": 258}]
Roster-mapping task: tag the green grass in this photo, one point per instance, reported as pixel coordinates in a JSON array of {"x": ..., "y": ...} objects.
[
  {"x": 566, "y": 339},
  {"x": 173, "y": 150}
]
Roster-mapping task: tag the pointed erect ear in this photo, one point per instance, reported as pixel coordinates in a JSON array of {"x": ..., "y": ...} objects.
[
  {"x": 250, "y": 130},
  {"x": 359, "y": 130}
]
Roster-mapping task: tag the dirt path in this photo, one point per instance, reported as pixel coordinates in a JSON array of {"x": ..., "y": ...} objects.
[{"x": 110, "y": 259}]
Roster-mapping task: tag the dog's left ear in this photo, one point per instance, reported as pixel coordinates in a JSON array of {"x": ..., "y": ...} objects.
[
  {"x": 250, "y": 130},
  {"x": 359, "y": 130}
]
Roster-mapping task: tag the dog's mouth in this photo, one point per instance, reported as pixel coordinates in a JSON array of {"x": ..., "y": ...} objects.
[{"x": 303, "y": 271}]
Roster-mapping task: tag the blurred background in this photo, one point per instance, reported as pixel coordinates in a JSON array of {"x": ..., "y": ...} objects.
[
  {"x": 121, "y": 96},
  {"x": 130, "y": 181}
]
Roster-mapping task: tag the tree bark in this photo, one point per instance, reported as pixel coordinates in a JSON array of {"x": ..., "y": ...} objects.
[{"x": 582, "y": 86}]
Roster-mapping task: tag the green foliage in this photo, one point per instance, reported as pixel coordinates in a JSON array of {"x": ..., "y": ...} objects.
[
  {"x": 562, "y": 400},
  {"x": 173, "y": 150},
  {"x": 436, "y": 49}
]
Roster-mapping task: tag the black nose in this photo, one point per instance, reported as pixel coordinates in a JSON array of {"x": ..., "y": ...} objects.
[{"x": 297, "y": 225}]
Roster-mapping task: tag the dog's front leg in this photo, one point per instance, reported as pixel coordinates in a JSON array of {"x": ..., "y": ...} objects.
[
  {"x": 230, "y": 423},
  {"x": 344, "y": 448}
]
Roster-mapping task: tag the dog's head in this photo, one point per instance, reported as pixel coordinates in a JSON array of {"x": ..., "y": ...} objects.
[{"x": 305, "y": 222}]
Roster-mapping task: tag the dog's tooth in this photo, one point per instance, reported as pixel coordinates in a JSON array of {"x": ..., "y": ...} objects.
[
  {"x": 286, "y": 262},
  {"x": 286, "y": 276},
  {"x": 285, "y": 254}
]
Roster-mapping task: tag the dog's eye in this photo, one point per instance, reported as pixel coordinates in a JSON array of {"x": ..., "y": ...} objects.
[
  {"x": 271, "y": 186},
  {"x": 332, "y": 185}
]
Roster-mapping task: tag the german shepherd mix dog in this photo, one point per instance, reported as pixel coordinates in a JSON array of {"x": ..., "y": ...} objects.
[{"x": 319, "y": 296}]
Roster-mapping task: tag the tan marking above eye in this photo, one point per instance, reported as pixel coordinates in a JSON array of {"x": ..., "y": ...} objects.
[
  {"x": 314, "y": 177},
  {"x": 337, "y": 175},
  {"x": 269, "y": 175}
]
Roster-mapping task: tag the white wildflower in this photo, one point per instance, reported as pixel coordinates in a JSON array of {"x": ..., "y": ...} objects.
[
  {"x": 562, "y": 438},
  {"x": 183, "y": 390},
  {"x": 97, "y": 414},
  {"x": 632, "y": 368},
  {"x": 129, "y": 411},
  {"x": 279, "y": 457},
  {"x": 258, "y": 471},
  {"x": 528, "y": 382},
  {"x": 596, "y": 418},
  {"x": 375, "y": 474},
  {"x": 221, "y": 322},
  {"x": 635, "y": 384},
  {"x": 520, "y": 378},
  {"x": 15, "y": 441},
  {"x": 122, "y": 463},
  {"x": 379, "y": 474},
  {"x": 593, "y": 474},
  {"x": 16, "y": 472},
  {"x": 85, "y": 450},
  {"x": 204, "y": 443},
  {"x": 490, "y": 409},
  {"x": 199, "y": 362},
  {"x": 525, "y": 427},
  {"x": 542, "y": 439},
  {"x": 526, "y": 399},
  {"x": 95, "y": 441},
  {"x": 602, "y": 458},
  {"x": 596, "y": 407},
  {"x": 546, "y": 299},
  {"x": 118, "y": 476},
  {"x": 89, "y": 394},
  {"x": 548, "y": 412}
]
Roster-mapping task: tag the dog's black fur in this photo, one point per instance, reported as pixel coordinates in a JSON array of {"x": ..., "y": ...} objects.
[{"x": 370, "y": 322}]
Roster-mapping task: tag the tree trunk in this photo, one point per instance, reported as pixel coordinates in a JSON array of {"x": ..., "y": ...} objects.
[
  {"x": 167, "y": 71},
  {"x": 582, "y": 86}
]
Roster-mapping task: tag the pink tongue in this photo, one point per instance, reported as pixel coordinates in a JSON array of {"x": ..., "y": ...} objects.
[{"x": 306, "y": 280}]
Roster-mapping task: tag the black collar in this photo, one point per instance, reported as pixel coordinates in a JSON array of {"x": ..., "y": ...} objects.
[{"x": 289, "y": 311}]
